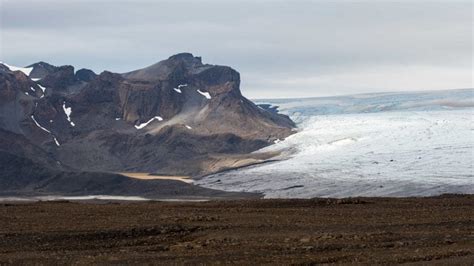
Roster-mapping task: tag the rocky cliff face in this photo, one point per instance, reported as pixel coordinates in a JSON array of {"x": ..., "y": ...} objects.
[{"x": 170, "y": 118}]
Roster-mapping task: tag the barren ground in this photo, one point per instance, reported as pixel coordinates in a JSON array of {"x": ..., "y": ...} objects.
[{"x": 365, "y": 230}]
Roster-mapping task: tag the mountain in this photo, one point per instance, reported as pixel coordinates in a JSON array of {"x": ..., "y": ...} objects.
[{"x": 176, "y": 117}]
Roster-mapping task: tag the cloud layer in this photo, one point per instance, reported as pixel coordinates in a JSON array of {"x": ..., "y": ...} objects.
[{"x": 281, "y": 48}]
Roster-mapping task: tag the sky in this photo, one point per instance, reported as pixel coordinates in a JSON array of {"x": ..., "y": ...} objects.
[{"x": 282, "y": 49}]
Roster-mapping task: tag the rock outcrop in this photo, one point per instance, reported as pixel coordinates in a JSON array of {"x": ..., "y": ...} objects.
[{"x": 171, "y": 118}]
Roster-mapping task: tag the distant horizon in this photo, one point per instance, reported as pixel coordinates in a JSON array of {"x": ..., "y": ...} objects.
[
  {"x": 401, "y": 90},
  {"x": 281, "y": 49},
  {"x": 367, "y": 93}
]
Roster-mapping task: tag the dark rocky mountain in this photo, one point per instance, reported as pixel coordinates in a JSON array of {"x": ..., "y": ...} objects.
[
  {"x": 175, "y": 117},
  {"x": 85, "y": 75},
  {"x": 41, "y": 70}
]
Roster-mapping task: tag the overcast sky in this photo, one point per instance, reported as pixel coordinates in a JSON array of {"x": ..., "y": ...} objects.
[{"x": 281, "y": 48}]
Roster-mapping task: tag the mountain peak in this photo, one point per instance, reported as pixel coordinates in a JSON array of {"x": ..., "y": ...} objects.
[
  {"x": 41, "y": 64},
  {"x": 85, "y": 74},
  {"x": 41, "y": 69},
  {"x": 162, "y": 70},
  {"x": 187, "y": 57}
]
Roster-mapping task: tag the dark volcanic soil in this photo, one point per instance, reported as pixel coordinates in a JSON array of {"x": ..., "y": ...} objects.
[{"x": 365, "y": 230}]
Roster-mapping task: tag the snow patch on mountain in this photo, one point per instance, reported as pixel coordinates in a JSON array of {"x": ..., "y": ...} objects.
[
  {"x": 25, "y": 70},
  {"x": 38, "y": 125},
  {"x": 205, "y": 94},
  {"x": 178, "y": 89},
  {"x": 42, "y": 88},
  {"x": 68, "y": 111},
  {"x": 159, "y": 118}
]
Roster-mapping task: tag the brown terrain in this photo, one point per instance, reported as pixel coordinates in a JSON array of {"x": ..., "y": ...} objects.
[
  {"x": 438, "y": 230},
  {"x": 67, "y": 132}
]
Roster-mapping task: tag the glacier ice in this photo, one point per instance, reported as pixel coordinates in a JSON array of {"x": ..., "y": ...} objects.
[{"x": 387, "y": 144}]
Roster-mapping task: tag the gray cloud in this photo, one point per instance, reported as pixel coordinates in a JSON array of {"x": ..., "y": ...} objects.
[{"x": 281, "y": 48}]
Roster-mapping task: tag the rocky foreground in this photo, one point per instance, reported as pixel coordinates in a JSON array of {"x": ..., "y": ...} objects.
[{"x": 364, "y": 230}]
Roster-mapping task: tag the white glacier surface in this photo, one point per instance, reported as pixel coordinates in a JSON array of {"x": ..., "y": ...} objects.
[{"x": 386, "y": 144}]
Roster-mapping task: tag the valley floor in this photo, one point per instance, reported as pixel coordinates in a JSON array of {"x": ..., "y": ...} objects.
[{"x": 363, "y": 230}]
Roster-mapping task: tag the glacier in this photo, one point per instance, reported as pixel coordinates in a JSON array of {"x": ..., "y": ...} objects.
[{"x": 381, "y": 144}]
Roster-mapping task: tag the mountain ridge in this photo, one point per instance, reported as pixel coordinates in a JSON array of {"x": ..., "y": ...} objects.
[{"x": 173, "y": 117}]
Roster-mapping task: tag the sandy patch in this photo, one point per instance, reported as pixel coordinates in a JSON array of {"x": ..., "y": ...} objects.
[
  {"x": 148, "y": 176},
  {"x": 218, "y": 163}
]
